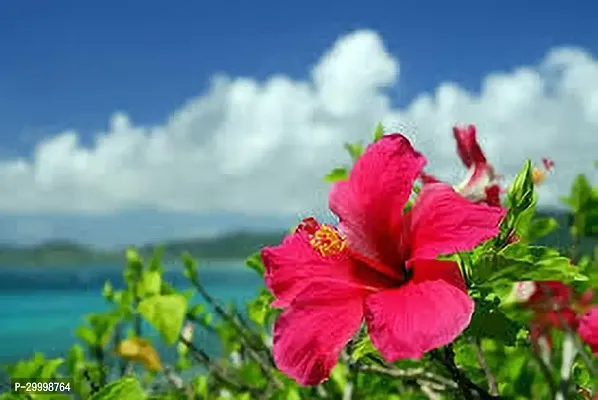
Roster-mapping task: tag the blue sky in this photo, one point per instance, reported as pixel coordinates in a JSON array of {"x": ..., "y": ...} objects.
[{"x": 68, "y": 65}]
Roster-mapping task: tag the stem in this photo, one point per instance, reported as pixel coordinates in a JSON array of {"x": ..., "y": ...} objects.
[
  {"x": 468, "y": 389},
  {"x": 99, "y": 355},
  {"x": 218, "y": 371},
  {"x": 569, "y": 354},
  {"x": 416, "y": 373},
  {"x": 122, "y": 363},
  {"x": 249, "y": 340},
  {"x": 545, "y": 369},
  {"x": 492, "y": 385}
]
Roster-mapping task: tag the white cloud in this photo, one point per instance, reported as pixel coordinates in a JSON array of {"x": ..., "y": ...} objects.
[{"x": 262, "y": 147}]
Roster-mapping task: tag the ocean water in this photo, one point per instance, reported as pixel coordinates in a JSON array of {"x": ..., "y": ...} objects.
[{"x": 40, "y": 308}]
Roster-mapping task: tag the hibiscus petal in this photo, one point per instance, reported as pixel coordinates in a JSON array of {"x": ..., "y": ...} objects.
[
  {"x": 428, "y": 312},
  {"x": 428, "y": 178},
  {"x": 588, "y": 329},
  {"x": 292, "y": 265},
  {"x": 493, "y": 195},
  {"x": 369, "y": 204},
  {"x": 310, "y": 335},
  {"x": 444, "y": 222},
  {"x": 468, "y": 147}
]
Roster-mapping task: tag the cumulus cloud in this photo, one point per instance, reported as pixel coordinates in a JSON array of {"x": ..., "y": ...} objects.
[{"x": 256, "y": 148}]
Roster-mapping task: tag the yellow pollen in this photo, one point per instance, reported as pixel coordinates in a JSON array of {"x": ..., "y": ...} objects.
[{"x": 328, "y": 241}]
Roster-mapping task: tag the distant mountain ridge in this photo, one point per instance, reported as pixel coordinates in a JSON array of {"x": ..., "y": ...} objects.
[{"x": 235, "y": 245}]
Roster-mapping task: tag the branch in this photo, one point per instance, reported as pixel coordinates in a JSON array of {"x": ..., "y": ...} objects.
[
  {"x": 417, "y": 374},
  {"x": 468, "y": 388},
  {"x": 492, "y": 385},
  {"x": 218, "y": 371},
  {"x": 242, "y": 329},
  {"x": 239, "y": 325},
  {"x": 545, "y": 369}
]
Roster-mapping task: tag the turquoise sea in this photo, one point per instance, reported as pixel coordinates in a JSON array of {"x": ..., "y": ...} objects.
[{"x": 41, "y": 307}]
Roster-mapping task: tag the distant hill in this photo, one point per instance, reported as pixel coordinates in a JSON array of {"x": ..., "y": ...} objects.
[
  {"x": 230, "y": 246},
  {"x": 561, "y": 238},
  {"x": 62, "y": 252},
  {"x": 59, "y": 252}
]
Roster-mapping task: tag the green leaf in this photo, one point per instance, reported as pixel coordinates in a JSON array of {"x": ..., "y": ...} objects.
[
  {"x": 541, "y": 227},
  {"x": 338, "y": 375},
  {"x": 581, "y": 193},
  {"x": 337, "y": 174},
  {"x": 364, "y": 349},
  {"x": 581, "y": 374},
  {"x": 102, "y": 325},
  {"x": 122, "y": 389},
  {"x": 197, "y": 310},
  {"x": 156, "y": 260},
  {"x": 150, "y": 283},
  {"x": 355, "y": 150},
  {"x": 259, "y": 308},
  {"x": 86, "y": 334},
  {"x": 108, "y": 291},
  {"x": 254, "y": 262},
  {"x": 518, "y": 262},
  {"x": 166, "y": 313},
  {"x": 589, "y": 221},
  {"x": 200, "y": 386},
  {"x": 75, "y": 359},
  {"x": 133, "y": 256},
  {"x": 49, "y": 368},
  {"x": 378, "y": 132},
  {"x": 490, "y": 322},
  {"x": 190, "y": 266}
]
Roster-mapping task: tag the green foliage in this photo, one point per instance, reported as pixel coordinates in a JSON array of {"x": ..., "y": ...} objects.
[
  {"x": 378, "y": 132},
  {"x": 239, "y": 364},
  {"x": 540, "y": 227},
  {"x": 166, "y": 313},
  {"x": 254, "y": 262},
  {"x": 122, "y": 389},
  {"x": 355, "y": 150},
  {"x": 337, "y": 174},
  {"x": 583, "y": 202},
  {"x": 517, "y": 262}
]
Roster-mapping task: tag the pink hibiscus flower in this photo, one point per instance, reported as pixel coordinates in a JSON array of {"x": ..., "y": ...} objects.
[
  {"x": 379, "y": 266},
  {"x": 481, "y": 184},
  {"x": 556, "y": 306}
]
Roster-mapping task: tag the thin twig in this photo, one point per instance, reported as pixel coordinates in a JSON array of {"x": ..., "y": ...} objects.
[
  {"x": 468, "y": 388},
  {"x": 219, "y": 372},
  {"x": 545, "y": 369},
  {"x": 414, "y": 373},
  {"x": 428, "y": 391},
  {"x": 241, "y": 328},
  {"x": 265, "y": 364},
  {"x": 492, "y": 384}
]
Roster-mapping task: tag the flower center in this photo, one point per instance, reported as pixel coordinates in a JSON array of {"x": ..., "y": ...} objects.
[{"x": 327, "y": 241}]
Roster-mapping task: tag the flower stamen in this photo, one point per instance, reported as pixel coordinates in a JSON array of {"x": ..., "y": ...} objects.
[{"x": 328, "y": 241}]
